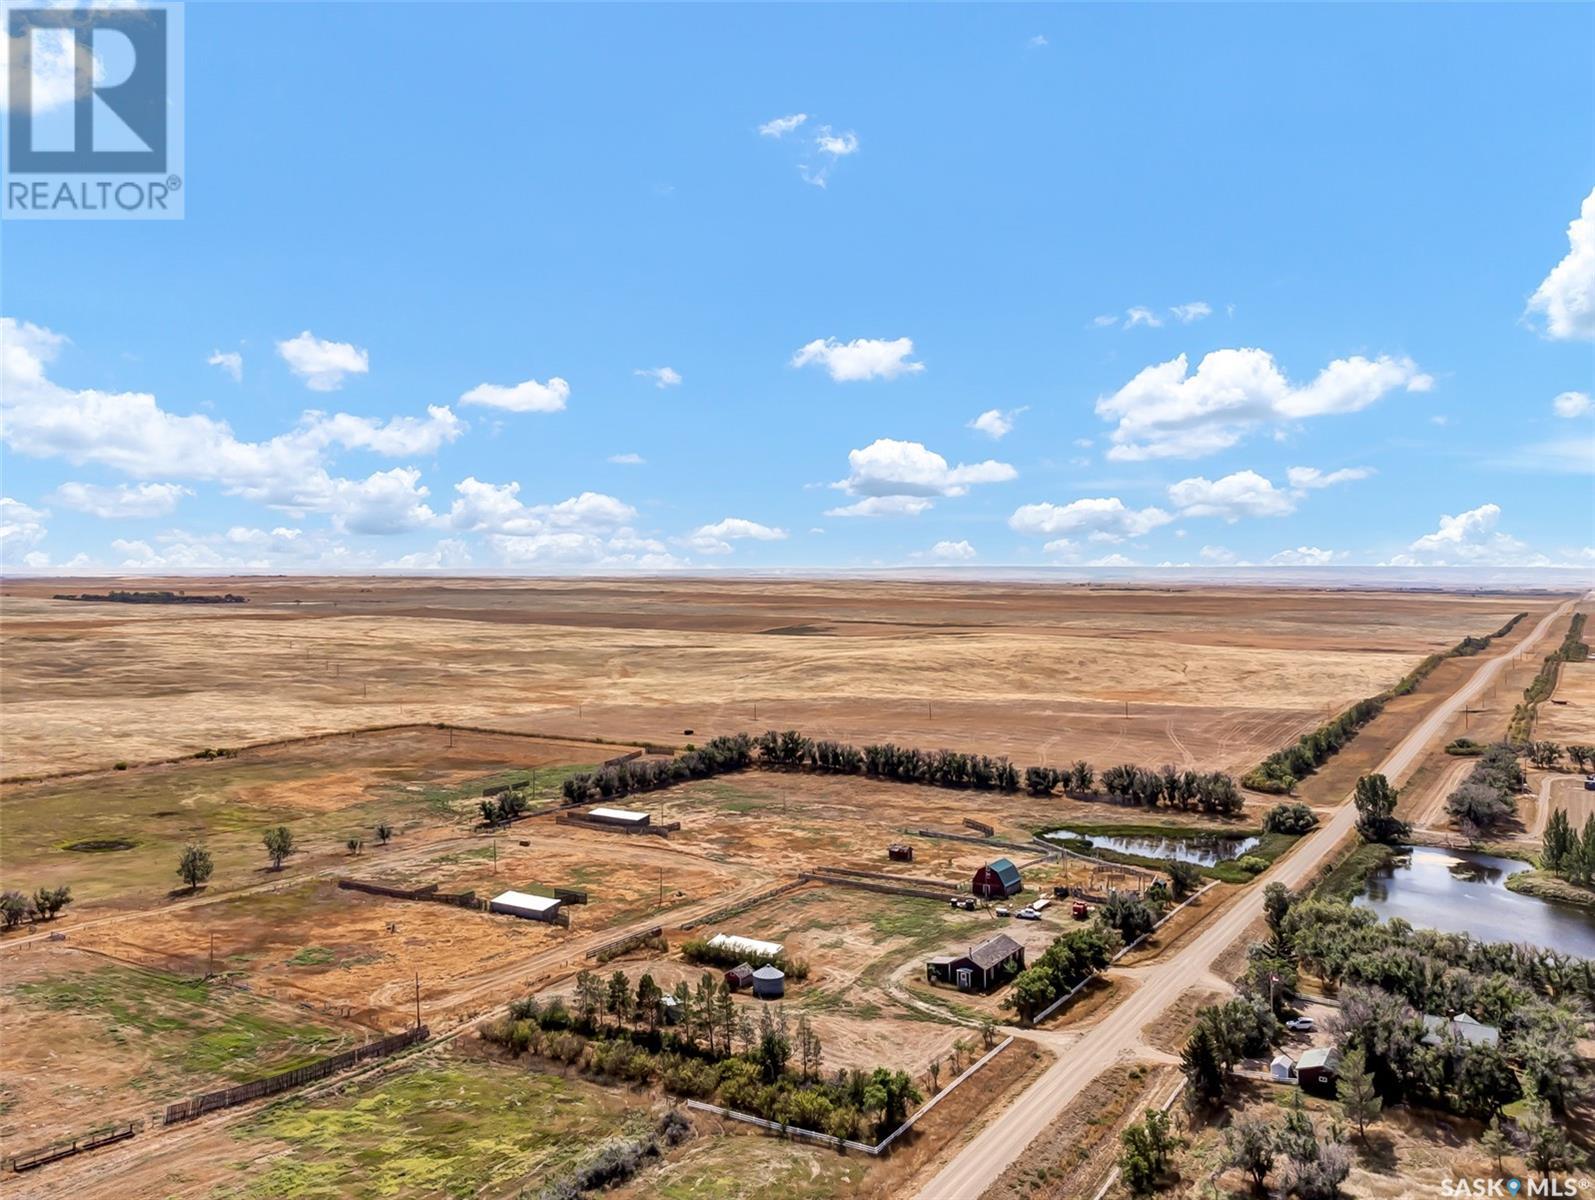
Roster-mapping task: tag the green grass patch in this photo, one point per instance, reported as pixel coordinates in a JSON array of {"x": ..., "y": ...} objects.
[
  {"x": 1349, "y": 876},
  {"x": 449, "y": 1129},
  {"x": 1545, "y": 886},
  {"x": 312, "y": 956},
  {"x": 192, "y": 1031}
]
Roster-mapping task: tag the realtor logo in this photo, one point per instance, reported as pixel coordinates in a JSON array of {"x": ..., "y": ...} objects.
[{"x": 94, "y": 113}]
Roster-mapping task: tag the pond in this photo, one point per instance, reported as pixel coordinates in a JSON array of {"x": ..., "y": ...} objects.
[
  {"x": 1205, "y": 850},
  {"x": 1457, "y": 891}
]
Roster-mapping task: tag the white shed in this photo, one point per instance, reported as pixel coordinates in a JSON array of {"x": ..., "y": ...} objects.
[
  {"x": 618, "y": 816},
  {"x": 751, "y": 947},
  {"x": 1282, "y": 1069},
  {"x": 522, "y": 904}
]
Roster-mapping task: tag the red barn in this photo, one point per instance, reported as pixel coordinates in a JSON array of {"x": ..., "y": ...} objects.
[{"x": 997, "y": 880}]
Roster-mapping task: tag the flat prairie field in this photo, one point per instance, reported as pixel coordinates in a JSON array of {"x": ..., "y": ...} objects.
[{"x": 1209, "y": 677}]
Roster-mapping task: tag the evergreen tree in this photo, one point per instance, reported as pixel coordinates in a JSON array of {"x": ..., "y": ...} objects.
[{"x": 1354, "y": 1089}]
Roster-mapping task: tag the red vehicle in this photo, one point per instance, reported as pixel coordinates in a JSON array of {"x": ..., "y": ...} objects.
[{"x": 1078, "y": 910}]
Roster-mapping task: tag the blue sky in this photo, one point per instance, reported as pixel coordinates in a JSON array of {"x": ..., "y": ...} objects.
[{"x": 1230, "y": 284}]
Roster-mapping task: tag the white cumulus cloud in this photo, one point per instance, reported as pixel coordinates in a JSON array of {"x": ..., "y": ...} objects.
[
  {"x": 322, "y": 364},
  {"x": 122, "y": 500},
  {"x": 530, "y": 396},
  {"x": 1305, "y": 556},
  {"x": 1167, "y": 411},
  {"x": 717, "y": 538},
  {"x": 1469, "y": 537},
  {"x": 949, "y": 551},
  {"x": 862, "y": 358},
  {"x": 1106, "y": 518},
  {"x": 882, "y": 506},
  {"x": 1242, "y": 494},
  {"x": 1566, "y": 297},
  {"x": 230, "y": 361},
  {"x": 996, "y": 422},
  {"x": 888, "y": 467},
  {"x": 1571, "y": 404}
]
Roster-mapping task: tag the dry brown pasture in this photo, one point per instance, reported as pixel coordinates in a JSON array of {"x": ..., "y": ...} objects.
[
  {"x": 1569, "y": 716},
  {"x": 1042, "y": 672}
]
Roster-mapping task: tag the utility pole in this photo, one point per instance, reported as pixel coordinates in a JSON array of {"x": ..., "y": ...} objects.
[
  {"x": 212, "y": 969},
  {"x": 495, "y": 852},
  {"x": 418, "y": 999},
  {"x": 661, "y": 887}
]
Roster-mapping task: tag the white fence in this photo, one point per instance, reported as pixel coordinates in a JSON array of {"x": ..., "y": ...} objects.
[{"x": 826, "y": 1139}]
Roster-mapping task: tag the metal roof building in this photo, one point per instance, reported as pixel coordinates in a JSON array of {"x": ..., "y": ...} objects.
[
  {"x": 522, "y": 904},
  {"x": 617, "y": 816},
  {"x": 746, "y": 945}
]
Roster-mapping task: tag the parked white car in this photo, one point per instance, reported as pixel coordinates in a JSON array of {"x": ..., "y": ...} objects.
[
  {"x": 1301, "y": 1025},
  {"x": 1028, "y": 914}
]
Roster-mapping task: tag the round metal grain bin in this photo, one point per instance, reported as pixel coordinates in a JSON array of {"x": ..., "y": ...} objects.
[{"x": 769, "y": 983}]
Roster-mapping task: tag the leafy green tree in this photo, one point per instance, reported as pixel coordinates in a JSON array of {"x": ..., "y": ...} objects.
[
  {"x": 1355, "y": 1091},
  {"x": 1145, "y": 1147},
  {"x": 1581, "y": 755},
  {"x": 279, "y": 843},
  {"x": 13, "y": 908},
  {"x": 47, "y": 902},
  {"x": 1276, "y": 907},
  {"x": 1376, "y": 808},
  {"x": 384, "y": 832},
  {"x": 1184, "y": 878},
  {"x": 1249, "y": 1146}
]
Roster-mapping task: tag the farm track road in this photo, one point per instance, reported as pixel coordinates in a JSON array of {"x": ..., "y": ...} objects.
[{"x": 983, "y": 1159}]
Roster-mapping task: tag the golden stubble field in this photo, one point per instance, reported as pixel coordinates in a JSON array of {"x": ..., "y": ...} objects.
[{"x": 1044, "y": 673}]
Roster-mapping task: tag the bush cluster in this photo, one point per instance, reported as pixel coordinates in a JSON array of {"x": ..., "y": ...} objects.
[
  {"x": 699, "y": 951},
  {"x": 1211, "y": 792},
  {"x": 1070, "y": 960},
  {"x": 44, "y": 904},
  {"x": 1293, "y": 818},
  {"x": 1488, "y": 796}
]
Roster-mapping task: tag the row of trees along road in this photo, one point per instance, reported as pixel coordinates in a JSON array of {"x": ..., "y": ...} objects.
[
  {"x": 1212, "y": 792},
  {"x": 1281, "y": 770}
]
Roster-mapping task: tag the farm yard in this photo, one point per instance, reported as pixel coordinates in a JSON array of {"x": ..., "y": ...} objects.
[{"x": 145, "y": 990}]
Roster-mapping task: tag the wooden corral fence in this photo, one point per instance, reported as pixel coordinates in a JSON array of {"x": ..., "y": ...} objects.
[
  {"x": 27, "y": 1160},
  {"x": 621, "y": 945},
  {"x": 979, "y": 827},
  {"x": 570, "y": 895},
  {"x": 427, "y": 891},
  {"x": 424, "y": 892},
  {"x": 888, "y": 877},
  {"x": 187, "y": 1110},
  {"x": 947, "y": 836},
  {"x": 731, "y": 910},
  {"x": 622, "y": 758},
  {"x": 875, "y": 885}
]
